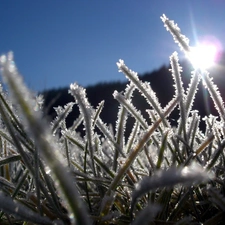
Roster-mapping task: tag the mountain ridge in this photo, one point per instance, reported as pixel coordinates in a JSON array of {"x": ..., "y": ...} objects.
[{"x": 161, "y": 82}]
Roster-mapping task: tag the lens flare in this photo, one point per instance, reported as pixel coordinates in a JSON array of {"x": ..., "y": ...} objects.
[{"x": 205, "y": 54}]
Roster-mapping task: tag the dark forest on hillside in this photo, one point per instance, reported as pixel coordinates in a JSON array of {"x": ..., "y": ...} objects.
[{"x": 161, "y": 82}]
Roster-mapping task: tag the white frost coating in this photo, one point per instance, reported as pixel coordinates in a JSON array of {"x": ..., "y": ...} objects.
[
  {"x": 78, "y": 91},
  {"x": 130, "y": 108},
  {"x": 123, "y": 68},
  {"x": 143, "y": 87},
  {"x": 192, "y": 90},
  {"x": 120, "y": 64},
  {"x": 180, "y": 39},
  {"x": 196, "y": 173},
  {"x": 14, "y": 80},
  {"x": 3, "y": 59},
  {"x": 62, "y": 113},
  {"x": 8, "y": 63},
  {"x": 214, "y": 94},
  {"x": 39, "y": 101},
  {"x": 176, "y": 74},
  {"x": 85, "y": 108},
  {"x": 122, "y": 116},
  {"x": 188, "y": 175}
]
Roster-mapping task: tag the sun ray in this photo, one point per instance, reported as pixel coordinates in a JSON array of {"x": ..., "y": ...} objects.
[{"x": 203, "y": 56}]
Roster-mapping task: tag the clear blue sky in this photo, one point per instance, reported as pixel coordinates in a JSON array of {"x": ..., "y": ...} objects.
[{"x": 58, "y": 42}]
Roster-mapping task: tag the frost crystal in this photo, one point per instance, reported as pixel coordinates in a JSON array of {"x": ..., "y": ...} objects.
[
  {"x": 143, "y": 87},
  {"x": 39, "y": 101},
  {"x": 214, "y": 94},
  {"x": 176, "y": 69},
  {"x": 102, "y": 166},
  {"x": 173, "y": 176},
  {"x": 182, "y": 40},
  {"x": 130, "y": 108}
]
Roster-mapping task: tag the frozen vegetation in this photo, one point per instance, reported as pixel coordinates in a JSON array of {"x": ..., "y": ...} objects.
[{"x": 160, "y": 174}]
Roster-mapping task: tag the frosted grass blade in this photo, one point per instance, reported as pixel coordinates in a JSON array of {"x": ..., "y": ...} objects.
[
  {"x": 204, "y": 144},
  {"x": 26, "y": 158},
  {"x": 130, "y": 108},
  {"x": 18, "y": 187},
  {"x": 121, "y": 124},
  {"x": 77, "y": 122},
  {"x": 98, "y": 111},
  {"x": 105, "y": 131},
  {"x": 181, "y": 202},
  {"x": 185, "y": 176},
  {"x": 214, "y": 94},
  {"x": 192, "y": 90},
  {"x": 133, "y": 155},
  {"x": 135, "y": 151},
  {"x": 144, "y": 88},
  {"x": 132, "y": 137},
  {"x": 82, "y": 147},
  {"x": 10, "y": 206},
  {"x": 179, "y": 90},
  {"x": 122, "y": 116},
  {"x": 86, "y": 110},
  {"x": 180, "y": 39},
  {"x": 164, "y": 200},
  {"x": 176, "y": 70},
  {"x": 9, "y": 159},
  {"x": 215, "y": 156},
  {"x": 43, "y": 139},
  {"x": 62, "y": 113},
  {"x": 161, "y": 150}
]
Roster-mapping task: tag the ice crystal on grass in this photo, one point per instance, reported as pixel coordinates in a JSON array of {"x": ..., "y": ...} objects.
[
  {"x": 144, "y": 88},
  {"x": 130, "y": 108},
  {"x": 21, "y": 212},
  {"x": 186, "y": 176},
  {"x": 122, "y": 120},
  {"x": 180, "y": 39},
  {"x": 192, "y": 90},
  {"x": 122, "y": 115},
  {"x": 39, "y": 101},
  {"x": 214, "y": 94},
  {"x": 79, "y": 94},
  {"x": 62, "y": 113},
  {"x": 42, "y": 137},
  {"x": 155, "y": 172},
  {"x": 176, "y": 74}
]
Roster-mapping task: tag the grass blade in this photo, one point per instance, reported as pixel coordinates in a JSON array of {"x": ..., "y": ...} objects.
[
  {"x": 10, "y": 206},
  {"x": 169, "y": 178},
  {"x": 43, "y": 139}
]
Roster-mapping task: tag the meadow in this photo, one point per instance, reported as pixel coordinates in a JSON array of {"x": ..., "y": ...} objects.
[{"x": 158, "y": 174}]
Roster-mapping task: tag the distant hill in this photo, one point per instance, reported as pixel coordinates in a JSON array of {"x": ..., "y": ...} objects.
[{"x": 161, "y": 82}]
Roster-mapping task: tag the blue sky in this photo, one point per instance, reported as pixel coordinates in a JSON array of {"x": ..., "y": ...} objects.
[{"x": 58, "y": 42}]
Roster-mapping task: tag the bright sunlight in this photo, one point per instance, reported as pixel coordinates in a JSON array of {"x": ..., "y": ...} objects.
[
  {"x": 203, "y": 56},
  {"x": 206, "y": 53}
]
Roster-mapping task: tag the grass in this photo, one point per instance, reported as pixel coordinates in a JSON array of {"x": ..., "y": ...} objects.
[{"x": 160, "y": 174}]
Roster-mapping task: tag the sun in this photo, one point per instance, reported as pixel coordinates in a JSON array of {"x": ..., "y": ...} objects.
[
  {"x": 203, "y": 56},
  {"x": 206, "y": 53}
]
